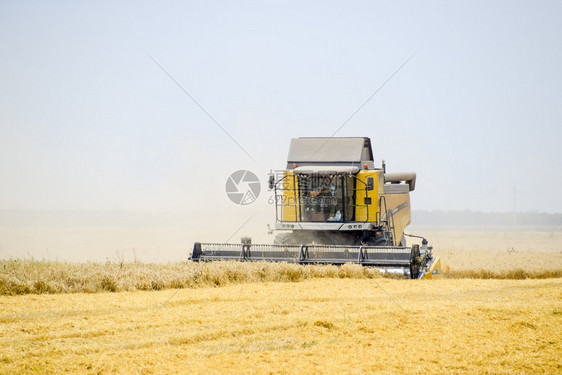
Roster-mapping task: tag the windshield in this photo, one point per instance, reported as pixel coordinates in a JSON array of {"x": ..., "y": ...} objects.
[{"x": 322, "y": 198}]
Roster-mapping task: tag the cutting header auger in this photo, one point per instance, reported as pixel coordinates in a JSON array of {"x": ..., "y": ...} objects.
[{"x": 333, "y": 206}]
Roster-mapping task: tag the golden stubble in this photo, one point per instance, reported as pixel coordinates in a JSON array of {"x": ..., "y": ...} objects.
[{"x": 330, "y": 325}]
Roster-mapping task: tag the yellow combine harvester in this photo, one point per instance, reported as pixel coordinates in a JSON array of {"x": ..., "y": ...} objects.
[{"x": 334, "y": 207}]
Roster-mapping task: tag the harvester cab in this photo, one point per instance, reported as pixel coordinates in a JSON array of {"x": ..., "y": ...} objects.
[{"x": 333, "y": 206}]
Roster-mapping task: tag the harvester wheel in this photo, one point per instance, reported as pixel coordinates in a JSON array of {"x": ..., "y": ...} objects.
[{"x": 415, "y": 264}]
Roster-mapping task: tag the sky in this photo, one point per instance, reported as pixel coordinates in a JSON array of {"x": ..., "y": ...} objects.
[{"x": 91, "y": 120}]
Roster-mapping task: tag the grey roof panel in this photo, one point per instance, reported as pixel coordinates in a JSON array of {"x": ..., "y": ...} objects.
[
  {"x": 324, "y": 170},
  {"x": 326, "y": 149}
]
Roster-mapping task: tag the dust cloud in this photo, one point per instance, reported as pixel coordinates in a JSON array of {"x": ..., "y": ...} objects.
[
  {"x": 168, "y": 236},
  {"x": 115, "y": 236}
]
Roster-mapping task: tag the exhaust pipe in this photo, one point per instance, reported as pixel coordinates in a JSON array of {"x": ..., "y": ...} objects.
[{"x": 396, "y": 178}]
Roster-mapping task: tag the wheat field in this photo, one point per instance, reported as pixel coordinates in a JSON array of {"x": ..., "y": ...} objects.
[
  {"x": 330, "y": 325},
  {"x": 43, "y": 277},
  {"x": 497, "y": 310}
]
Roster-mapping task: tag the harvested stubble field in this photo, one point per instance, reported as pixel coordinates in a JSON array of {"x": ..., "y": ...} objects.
[
  {"x": 499, "y": 310},
  {"x": 330, "y": 325}
]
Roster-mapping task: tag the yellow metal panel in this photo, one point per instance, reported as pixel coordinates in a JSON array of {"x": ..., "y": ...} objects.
[
  {"x": 434, "y": 271},
  {"x": 290, "y": 205},
  {"x": 362, "y": 212},
  {"x": 399, "y": 206}
]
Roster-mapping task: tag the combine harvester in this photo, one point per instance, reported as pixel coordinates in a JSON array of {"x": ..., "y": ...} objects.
[{"x": 334, "y": 207}]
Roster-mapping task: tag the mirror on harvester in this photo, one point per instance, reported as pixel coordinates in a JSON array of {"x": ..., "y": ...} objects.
[{"x": 370, "y": 183}]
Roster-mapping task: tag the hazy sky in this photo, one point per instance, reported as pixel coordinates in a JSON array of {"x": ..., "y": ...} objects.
[{"x": 89, "y": 121}]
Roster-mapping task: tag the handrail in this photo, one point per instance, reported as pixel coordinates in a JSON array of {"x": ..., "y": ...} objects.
[
  {"x": 381, "y": 200},
  {"x": 392, "y": 227},
  {"x": 277, "y": 218},
  {"x": 366, "y": 205}
]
